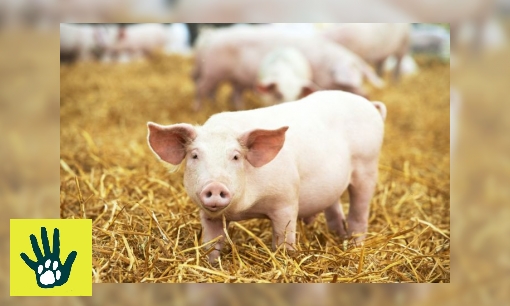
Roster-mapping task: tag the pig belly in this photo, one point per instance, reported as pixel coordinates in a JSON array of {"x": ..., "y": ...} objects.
[
  {"x": 323, "y": 185},
  {"x": 317, "y": 195}
]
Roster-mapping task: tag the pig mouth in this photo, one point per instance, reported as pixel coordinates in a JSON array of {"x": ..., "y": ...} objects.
[
  {"x": 215, "y": 212},
  {"x": 214, "y": 209}
]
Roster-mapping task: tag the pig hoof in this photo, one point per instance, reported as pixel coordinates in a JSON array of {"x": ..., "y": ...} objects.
[
  {"x": 213, "y": 256},
  {"x": 292, "y": 253},
  {"x": 309, "y": 220}
]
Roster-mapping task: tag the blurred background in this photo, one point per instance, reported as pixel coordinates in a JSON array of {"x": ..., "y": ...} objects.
[{"x": 480, "y": 168}]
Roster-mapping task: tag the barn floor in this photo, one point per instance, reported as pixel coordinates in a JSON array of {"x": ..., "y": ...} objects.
[{"x": 145, "y": 229}]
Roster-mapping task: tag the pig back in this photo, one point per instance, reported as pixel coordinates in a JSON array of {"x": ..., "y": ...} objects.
[
  {"x": 373, "y": 42},
  {"x": 236, "y": 54}
]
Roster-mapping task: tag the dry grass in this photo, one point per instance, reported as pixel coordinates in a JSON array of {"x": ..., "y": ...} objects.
[{"x": 145, "y": 229}]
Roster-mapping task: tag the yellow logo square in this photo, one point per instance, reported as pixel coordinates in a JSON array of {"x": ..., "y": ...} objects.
[{"x": 51, "y": 257}]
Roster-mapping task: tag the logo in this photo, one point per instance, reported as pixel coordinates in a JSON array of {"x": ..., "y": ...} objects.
[
  {"x": 49, "y": 271},
  {"x": 62, "y": 268}
]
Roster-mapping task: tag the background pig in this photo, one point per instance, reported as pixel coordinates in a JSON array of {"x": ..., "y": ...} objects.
[
  {"x": 235, "y": 55},
  {"x": 374, "y": 42},
  {"x": 284, "y": 75},
  {"x": 77, "y": 41},
  {"x": 138, "y": 41},
  {"x": 283, "y": 162},
  {"x": 408, "y": 65},
  {"x": 85, "y": 42}
]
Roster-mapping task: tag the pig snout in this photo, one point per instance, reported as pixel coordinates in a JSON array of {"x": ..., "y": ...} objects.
[{"x": 215, "y": 196}]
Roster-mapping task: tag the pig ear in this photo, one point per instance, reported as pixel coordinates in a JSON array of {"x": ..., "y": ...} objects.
[
  {"x": 308, "y": 89},
  {"x": 266, "y": 87},
  {"x": 263, "y": 145},
  {"x": 169, "y": 142}
]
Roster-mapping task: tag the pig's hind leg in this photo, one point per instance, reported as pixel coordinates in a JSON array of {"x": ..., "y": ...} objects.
[
  {"x": 336, "y": 219},
  {"x": 361, "y": 190},
  {"x": 236, "y": 99},
  {"x": 309, "y": 220}
]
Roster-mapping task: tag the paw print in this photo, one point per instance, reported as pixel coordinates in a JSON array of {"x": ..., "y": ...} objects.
[{"x": 49, "y": 271}]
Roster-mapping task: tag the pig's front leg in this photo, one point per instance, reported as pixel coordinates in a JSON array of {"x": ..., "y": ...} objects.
[
  {"x": 212, "y": 228},
  {"x": 398, "y": 67},
  {"x": 284, "y": 227}
]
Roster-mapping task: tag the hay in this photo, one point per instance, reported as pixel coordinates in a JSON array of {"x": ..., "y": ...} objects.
[{"x": 145, "y": 229}]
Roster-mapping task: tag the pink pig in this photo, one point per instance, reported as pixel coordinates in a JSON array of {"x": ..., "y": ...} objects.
[
  {"x": 284, "y": 75},
  {"x": 374, "y": 42},
  {"x": 236, "y": 55},
  {"x": 283, "y": 162},
  {"x": 138, "y": 41}
]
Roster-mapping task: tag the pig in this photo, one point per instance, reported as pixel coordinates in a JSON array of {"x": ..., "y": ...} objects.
[
  {"x": 139, "y": 41},
  {"x": 408, "y": 65},
  {"x": 235, "y": 55},
  {"x": 374, "y": 42},
  {"x": 77, "y": 41},
  {"x": 284, "y": 75},
  {"x": 282, "y": 162},
  {"x": 85, "y": 42}
]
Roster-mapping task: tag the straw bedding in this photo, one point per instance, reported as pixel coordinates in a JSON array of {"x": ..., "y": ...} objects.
[{"x": 145, "y": 228}]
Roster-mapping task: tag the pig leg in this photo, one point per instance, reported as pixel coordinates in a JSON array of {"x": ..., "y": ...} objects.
[
  {"x": 361, "y": 190},
  {"x": 396, "y": 72},
  {"x": 379, "y": 68},
  {"x": 212, "y": 228},
  {"x": 237, "y": 97},
  {"x": 309, "y": 220},
  {"x": 284, "y": 227},
  {"x": 84, "y": 55},
  {"x": 335, "y": 218},
  {"x": 137, "y": 55},
  {"x": 204, "y": 88}
]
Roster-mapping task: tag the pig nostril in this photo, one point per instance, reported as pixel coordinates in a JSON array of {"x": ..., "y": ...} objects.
[
  {"x": 222, "y": 194},
  {"x": 209, "y": 194}
]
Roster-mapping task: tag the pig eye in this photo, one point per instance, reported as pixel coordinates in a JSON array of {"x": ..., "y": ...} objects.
[
  {"x": 236, "y": 157},
  {"x": 194, "y": 156}
]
